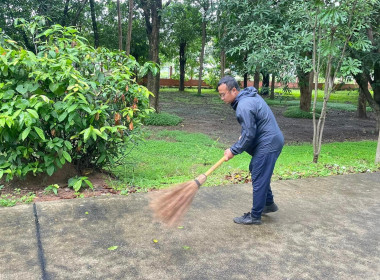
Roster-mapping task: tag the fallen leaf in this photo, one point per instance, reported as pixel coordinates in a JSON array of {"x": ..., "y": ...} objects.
[
  {"x": 155, "y": 240},
  {"x": 186, "y": 247},
  {"x": 112, "y": 248}
]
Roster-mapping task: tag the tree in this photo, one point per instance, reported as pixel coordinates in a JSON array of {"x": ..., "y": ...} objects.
[
  {"x": 120, "y": 31},
  {"x": 181, "y": 27},
  {"x": 205, "y": 5},
  {"x": 334, "y": 27},
  {"x": 152, "y": 12},
  {"x": 366, "y": 62},
  {"x": 94, "y": 24},
  {"x": 129, "y": 32}
]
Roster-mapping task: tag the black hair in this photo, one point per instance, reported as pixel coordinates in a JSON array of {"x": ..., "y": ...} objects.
[{"x": 230, "y": 82}]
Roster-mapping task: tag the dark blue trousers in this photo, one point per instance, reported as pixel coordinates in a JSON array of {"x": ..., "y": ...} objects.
[{"x": 261, "y": 168}]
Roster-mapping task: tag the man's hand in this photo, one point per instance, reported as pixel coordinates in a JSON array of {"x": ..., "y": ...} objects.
[{"x": 228, "y": 154}]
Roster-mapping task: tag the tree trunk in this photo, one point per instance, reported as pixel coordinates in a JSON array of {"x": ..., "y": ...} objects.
[
  {"x": 376, "y": 82},
  {"x": 94, "y": 25},
  {"x": 362, "y": 80},
  {"x": 305, "y": 83},
  {"x": 265, "y": 86},
  {"x": 202, "y": 56},
  {"x": 79, "y": 12},
  {"x": 152, "y": 13},
  {"x": 222, "y": 62},
  {"x": 245, "y": 83},
  {"x": 182, "y": 64},
  {"x": 272, "y": 87},
  {"x": 362, "y": 105},
  {"x": 377, "y": 158},
  {"x": 119, "y": 26},
  {"x": 256, "y": 79},
  {"x": 65, "y": 12},
  {"x": 129, "y": 34}
]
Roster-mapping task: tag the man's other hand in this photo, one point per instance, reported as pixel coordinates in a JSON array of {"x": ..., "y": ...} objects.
[{"x": 228, "y": 154}]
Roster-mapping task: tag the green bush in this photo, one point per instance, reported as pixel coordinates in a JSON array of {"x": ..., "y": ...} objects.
[
  {"x": 162, "y": 119},
  {"x": 296, "y": 112},
  {"x": 67, "y": 102}
]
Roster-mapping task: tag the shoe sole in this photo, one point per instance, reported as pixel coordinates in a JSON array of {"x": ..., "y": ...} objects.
[
  {"x": 247, "y": 223},
  {"x": 269, "y": 211}
]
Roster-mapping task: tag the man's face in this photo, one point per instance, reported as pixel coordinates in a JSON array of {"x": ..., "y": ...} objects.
[{"x": 228, "y": 96}]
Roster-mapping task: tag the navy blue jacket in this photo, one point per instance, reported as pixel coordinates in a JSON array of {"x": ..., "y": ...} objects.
[{"x": 259, "y": 130}]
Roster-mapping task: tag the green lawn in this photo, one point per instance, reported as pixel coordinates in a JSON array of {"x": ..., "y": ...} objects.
[{"x": 173, "y": 157}]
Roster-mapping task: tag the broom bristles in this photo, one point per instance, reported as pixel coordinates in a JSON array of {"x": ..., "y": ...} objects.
[{"x": 170, "y": 205}]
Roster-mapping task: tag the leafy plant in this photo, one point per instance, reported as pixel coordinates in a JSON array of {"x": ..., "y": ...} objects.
[
  {"x": 162, "y": 119},
  {"x": 9, "y": 200},
  {"x": 78, "y": 182},
  {"x": 52, "y": 188},
  {"x": 67, "y": 102}
]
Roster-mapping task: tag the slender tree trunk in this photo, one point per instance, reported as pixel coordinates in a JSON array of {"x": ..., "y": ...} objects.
[
  {"x": 362, "y": 105},
  {"x": 256, "y": 79},
  {"x": 182, "y": 64},
  {"x": 305, "y": 83},
  {"x": 265, "y": 86},
  {"x": 362, "y": 80},
  {"x": 119, "y": 26},
  {"x": 152, "y": 14},
  {"x": 65, "y": 12},
  {"x": 272, "y": 86},
  {"x": 222, "y": 62},
  {"x": 377, "y": 158},
  {"x": 376, "y": 81},
  {"x": 245, "y": 83},
  {"x": 74, "y": 22},
  {"x": 94, "y": 25},
  {"x": 202, "y": 56},
  {"x": 129, "y": 35}
]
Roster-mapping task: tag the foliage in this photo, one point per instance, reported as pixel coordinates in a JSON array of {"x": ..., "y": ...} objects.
[
  {"x": 52, "y": 188},
  {"x": 9, "y": 200},
  {"x": 162, "y": 119},
  {"x": 296, "y": 112},
  {"x": 67, "y": 102},
  {"x": 78, "y": 182}
]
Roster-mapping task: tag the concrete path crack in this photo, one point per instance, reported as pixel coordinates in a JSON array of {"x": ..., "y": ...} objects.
[{"x": 41, "y": 255}]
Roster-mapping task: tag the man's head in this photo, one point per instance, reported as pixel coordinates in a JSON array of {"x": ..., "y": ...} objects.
[{"x": 228, "y": 89}]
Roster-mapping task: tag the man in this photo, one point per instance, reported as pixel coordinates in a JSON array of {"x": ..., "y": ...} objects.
[{"x": 260, "y": 137}]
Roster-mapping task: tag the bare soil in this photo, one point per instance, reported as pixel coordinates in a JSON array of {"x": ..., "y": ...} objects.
[
  {"x": 202, "y": 114},
  {"x": 207, "y": 114}
]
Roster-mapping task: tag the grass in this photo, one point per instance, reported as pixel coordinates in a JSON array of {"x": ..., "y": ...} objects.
[
  {"x": 162, "y": 119},
  {"x": 345, "y": 100},
  {"x": 296, "y": 112},
  {"x": 174, "y": 157}
]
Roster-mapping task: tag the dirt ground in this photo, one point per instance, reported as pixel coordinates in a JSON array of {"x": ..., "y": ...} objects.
[{"x": 204, "y": 114}]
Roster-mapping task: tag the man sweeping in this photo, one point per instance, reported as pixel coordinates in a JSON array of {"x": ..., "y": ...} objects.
[{"x": 260, "y": 137}]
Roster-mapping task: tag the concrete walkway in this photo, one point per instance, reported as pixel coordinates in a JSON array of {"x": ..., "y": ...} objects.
[{"x": 326, "y": 228}]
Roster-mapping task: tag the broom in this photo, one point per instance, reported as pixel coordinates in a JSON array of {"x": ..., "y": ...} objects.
[{"x": 170, "y": 205}]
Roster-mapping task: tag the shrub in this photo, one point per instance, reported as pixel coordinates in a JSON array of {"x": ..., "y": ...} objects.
[
  {"x": 67, "y": 102},
  {"x": 162, "y": 119},
  {"x": 296, "y": 112}
]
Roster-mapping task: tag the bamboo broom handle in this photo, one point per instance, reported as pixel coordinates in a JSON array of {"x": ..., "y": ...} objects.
[{"x": 215, "y": 166}]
